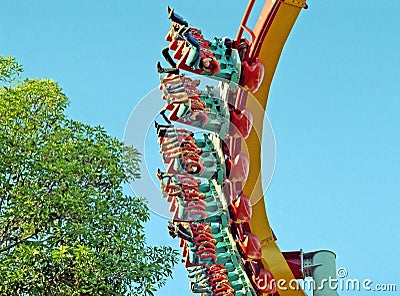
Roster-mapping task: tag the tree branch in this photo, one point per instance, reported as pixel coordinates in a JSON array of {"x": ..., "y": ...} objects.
[{"x": 17, "y": 242}]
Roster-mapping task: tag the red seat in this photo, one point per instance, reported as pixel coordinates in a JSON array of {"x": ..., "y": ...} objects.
[
  {"x": 265, "y": 282},
  {"x": 251, "y": 247},
  {"x": 241, "y": 209},
  {"x": 253, "y": 75},
  {"x": 241, "y": 122},
  {"x": 174, "y": 44},
  {"x": 240, "y": 168}
]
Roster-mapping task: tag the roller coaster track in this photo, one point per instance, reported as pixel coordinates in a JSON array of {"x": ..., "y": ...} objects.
[{"x": 281, "y": 17}]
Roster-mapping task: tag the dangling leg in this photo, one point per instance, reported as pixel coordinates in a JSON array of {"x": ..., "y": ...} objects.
[
  {"x": 162, "y": 113},
  {"x": 166, "y": 70},
  {"x": 193, "y": 59},
  {"x": 176, "y": 17},
  {"x": 171, "y": 79},
  {"x": 167, "y": 56},
  {"x": 176, "y": 88},
  {"x": 179, "y": 98},
  {"x": 163, "y": 126}
]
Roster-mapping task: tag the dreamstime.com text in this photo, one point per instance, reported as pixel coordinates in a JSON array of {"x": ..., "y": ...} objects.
[{"x": 341, "y": 283}]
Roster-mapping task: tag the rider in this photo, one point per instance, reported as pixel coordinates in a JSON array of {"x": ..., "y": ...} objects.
[{"x": 200, "y": 57}]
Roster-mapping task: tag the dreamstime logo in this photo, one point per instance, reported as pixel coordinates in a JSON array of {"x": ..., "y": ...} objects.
[
  {"x": 340, "y": 283},
  {"x": 342, "y": 272},
  {"x": 140, "y": 132}
]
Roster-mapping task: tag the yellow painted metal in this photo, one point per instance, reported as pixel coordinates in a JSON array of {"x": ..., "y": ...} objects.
[
  {"x": 301, "y": 4},
  {"x": 271, "y": 49}
]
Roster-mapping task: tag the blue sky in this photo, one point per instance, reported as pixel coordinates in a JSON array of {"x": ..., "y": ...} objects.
[{"x": 334, "y": 106}]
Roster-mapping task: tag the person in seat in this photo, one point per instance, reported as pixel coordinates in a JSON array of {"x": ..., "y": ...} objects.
[{"x": 200, "y": 56}]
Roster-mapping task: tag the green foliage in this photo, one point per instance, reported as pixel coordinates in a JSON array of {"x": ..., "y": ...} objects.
[
  {"x": 9, "y": 69},
  {"x": 66, "y": 228}
]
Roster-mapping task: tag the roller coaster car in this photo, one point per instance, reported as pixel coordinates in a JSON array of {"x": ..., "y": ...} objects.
[
  {"x": 202, "y": 249},
  {"x": 173, "y": 138},
  {"x": 232, "y": 67},
  {"x": 240, "y": 121},
  {"x": 189, "y": 204},
  {"x": 210, "y": 120}
]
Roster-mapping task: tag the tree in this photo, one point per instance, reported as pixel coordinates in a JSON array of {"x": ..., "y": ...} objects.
[{"x": 66, "y": 227}]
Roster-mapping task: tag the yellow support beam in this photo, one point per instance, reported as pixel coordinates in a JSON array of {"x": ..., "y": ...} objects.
[{"x": 271, "y": 49}]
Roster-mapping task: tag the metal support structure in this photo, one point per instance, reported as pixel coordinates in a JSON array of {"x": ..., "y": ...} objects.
[{"x": 321, "y": 265}]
